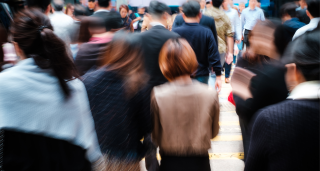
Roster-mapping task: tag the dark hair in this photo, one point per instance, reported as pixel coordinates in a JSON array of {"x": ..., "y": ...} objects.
[
  {"x": 104, "y": 3},
  {"x": 282, "y": 37},
  {"x": 177, "y": 58},
  {"x": 304, "y": 52},
  {"x": 113, "y": 21},
  {"x": 91, "y": 0},
  {"x": 191, "y": 9},
  {"x": 124, "y": 56},
  {"x": 57, "y": 5},
  {"x": 42, "y": 4},
  {"x": 313, "y": 7},
  {"x": 217, "y": 3},
  {"x": 33, "y": 32},
  {"x": 123, "y": 6},
  {"x": 288, "y": 8},
  {"x": 158, "y": 8}
]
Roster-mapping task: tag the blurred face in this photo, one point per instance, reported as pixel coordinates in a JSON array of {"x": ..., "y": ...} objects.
[
  {"x": 262, "y": 41},
  {"x": 252, "y": 3},
  {"x": 91, "y": 5},
  {"x": 231, "y": 3},
  {"x": 141, "y": 10},
  {"x": 225, "y": 4},
  {"x": 242, "y": 7},
  {"x": 123, "y": 12},
  {"x": 71, "y": 10},
  {"x": 203, "y": 4}
]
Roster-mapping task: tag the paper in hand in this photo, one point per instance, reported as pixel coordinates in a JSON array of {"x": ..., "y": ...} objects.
[{"x": 240, "y": 82}]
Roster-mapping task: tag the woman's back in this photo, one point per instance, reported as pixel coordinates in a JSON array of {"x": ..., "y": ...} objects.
[
  {"x": 40, "y": 126},
  {"x": 121, "y": 121},
  {"x": 186, "y": 118}
]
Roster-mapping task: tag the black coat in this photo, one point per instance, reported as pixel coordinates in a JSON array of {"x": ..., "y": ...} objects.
[
  {"x": 153, "y": 41},
  {"x": 120, "y": 121},
  {"x": 205, "y": 21}
]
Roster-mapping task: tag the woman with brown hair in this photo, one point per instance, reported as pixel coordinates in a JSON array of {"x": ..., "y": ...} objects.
[
  {"x": 126, "y": 20},
  {"x": 119, "y": 104},
  {"x": 186, "y": 112},
  {"x": 70, "y": 10},
  {"x": 45, "y": 119}
]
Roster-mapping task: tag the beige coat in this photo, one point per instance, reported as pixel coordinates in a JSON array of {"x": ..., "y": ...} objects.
[{"x": 186, "y": 118}]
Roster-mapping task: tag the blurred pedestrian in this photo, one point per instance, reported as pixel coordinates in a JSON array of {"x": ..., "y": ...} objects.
[
  {"x": 174, "y": 106},
  {"x": 152, "y": 42},
  {"x": 127, "y": 22},
  {"x": 289, "y": 19},
  {"x": 314, "y": 14},
  {"x": 283, "y": 131},
  {"x": 138, "y": 19},
  {"x": 236, "y": 27},
  {"x": 90, "y": 52},
  {"x": 249, "y": 17},
  {"x": 119, "y": 105},
  {"x": 103, "y": 7},
  {"x": 202, "y": 6},
  {"x": 302, "y": 12},
  {"x": 43, "y": 5},
  {"x": 202, "y": 42},
  {"x": 62, "y": 23},
  {"x": 267, "y": 87},
  {"x": 44, "y": 111},
  {"x": 69, "y": 10},
  {"x": 242, "y": 6},
  {"x": 225, "y": 36},
  {"x": 204, "y": 21},
  {"x": 90, "y": 7}
]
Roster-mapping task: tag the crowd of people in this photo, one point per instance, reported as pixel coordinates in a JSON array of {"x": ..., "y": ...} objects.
[{"x": 94, "y": 88}]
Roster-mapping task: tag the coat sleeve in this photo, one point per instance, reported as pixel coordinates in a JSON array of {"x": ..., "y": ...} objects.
[
  {"x": 257, "y": 156},
  {"x": 213, "y": 55}
]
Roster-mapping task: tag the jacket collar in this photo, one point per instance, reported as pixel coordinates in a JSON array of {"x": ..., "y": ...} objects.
[{"x": 306, "y": 90}]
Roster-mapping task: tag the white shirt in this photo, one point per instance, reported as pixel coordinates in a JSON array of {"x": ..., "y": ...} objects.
[
  {"x": 62, "y": 25},
  {"x": 156, "y": 24},
  {"x": 101, "y": 10},
  {"x": 306, "y": 90},
  {"x": 250, "y": 17},
  {"x": 309, "y": 27},
  {"x": 235, "y": 22}
]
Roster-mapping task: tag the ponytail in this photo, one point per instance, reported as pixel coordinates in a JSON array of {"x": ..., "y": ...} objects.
[
  {"x": 54, "y": 51},
  {"x": 33, "y": 32}
]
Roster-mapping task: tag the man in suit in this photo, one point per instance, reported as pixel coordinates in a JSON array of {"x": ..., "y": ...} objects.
[
  {"x": 204, "y": 21},
  {"x": 103, "y": 7},
  {"x": 152, "y": 42}
]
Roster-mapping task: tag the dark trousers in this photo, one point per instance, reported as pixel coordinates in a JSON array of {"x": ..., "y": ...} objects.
[
  {"x": 245, "y": 130},
  {"x": 246, "y": 38},
  {"x": 227, "y": 68},
  {"x": 151, "y": 158},
  {"x": 185, "y": 163}
]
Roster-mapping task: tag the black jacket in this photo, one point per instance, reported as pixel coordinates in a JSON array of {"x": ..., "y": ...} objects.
[
  {"x": 205, "y": 21},
  {"x": 303, "y": 17},
  {"x": 203, "y": 44},
  {"x": 285, "y": 137},
  {"x": 152, "y": 42},
  {"x": 120, "y": 121}
]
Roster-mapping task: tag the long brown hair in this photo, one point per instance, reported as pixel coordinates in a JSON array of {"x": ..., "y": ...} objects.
[
  {"x": 123, "y": 55},
  {"x": 33, "y": 32}
]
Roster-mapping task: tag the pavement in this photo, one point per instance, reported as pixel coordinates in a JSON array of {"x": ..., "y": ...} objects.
[{"x": 226, "y": 149}]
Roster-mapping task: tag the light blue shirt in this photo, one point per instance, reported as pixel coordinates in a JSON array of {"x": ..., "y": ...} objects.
[
  {"x": 235, "y": 22},
  {"x": 250, "y": 17}
]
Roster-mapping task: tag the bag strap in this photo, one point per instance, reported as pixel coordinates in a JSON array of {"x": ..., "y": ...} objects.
[{"x": 137, "y": 15}]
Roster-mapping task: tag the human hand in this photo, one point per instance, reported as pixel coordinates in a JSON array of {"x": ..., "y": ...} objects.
[
  {"x": 218, "y": 84},
  {"x": 238, "y": 41},
  {"x": 229, "y": 58}
]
